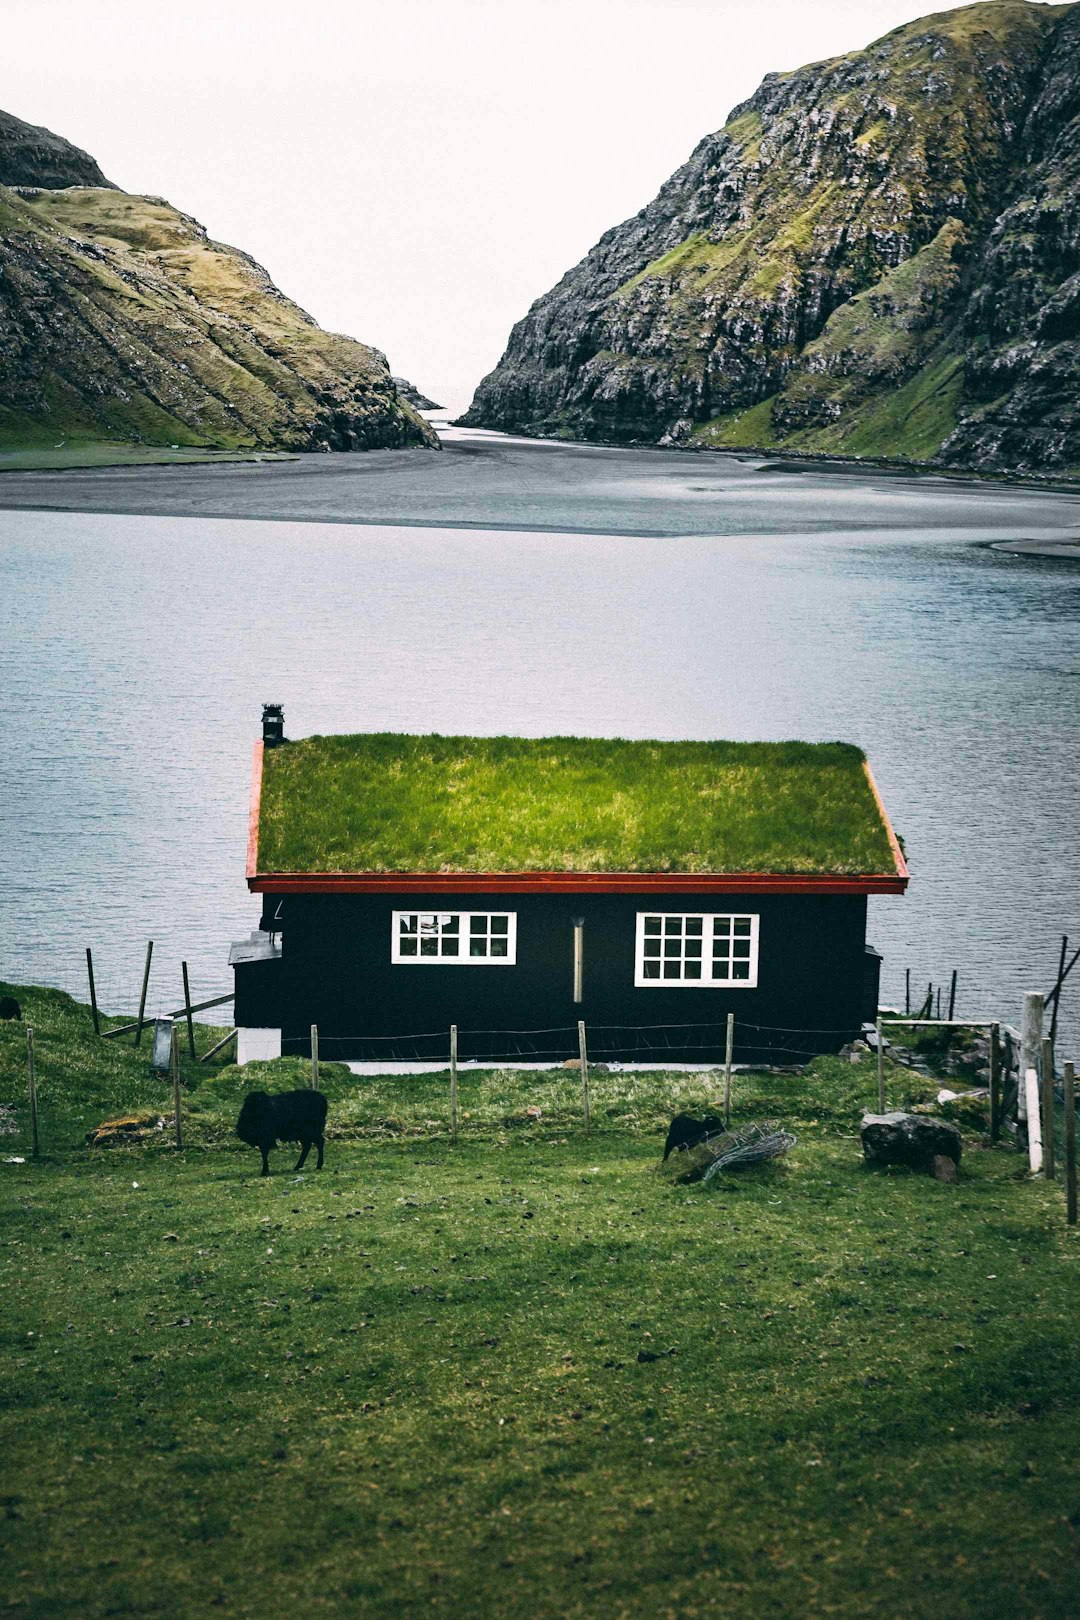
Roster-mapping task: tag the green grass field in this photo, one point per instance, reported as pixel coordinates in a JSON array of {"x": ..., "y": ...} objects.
[{"x": 523, "y": 1374}]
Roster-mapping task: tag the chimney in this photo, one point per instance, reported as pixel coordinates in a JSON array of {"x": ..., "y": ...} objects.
[{"x": 273, "y": 725}]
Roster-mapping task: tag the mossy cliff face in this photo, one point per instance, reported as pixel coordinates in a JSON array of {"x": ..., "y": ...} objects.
[
  {"x": 872, "y": 256},
  {"x": 121, "y": 320}
]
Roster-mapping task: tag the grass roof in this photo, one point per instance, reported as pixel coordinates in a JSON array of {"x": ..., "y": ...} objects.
[{"x": 383, "y": 802}]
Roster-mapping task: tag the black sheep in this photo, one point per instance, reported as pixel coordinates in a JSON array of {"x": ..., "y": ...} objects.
[
  {"x": 686, "y": 1132},
  {"x": 9, "y": 1007},
  {"x": 284, "y": 1116}
]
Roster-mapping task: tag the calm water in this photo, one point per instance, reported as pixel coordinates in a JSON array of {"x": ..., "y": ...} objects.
[{"x": 136, "y": 652}]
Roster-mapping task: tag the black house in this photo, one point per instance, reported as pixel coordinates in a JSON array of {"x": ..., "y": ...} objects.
[{"x": 514, "y": 886}]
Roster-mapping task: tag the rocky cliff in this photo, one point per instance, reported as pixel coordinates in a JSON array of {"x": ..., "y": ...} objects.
[
  {"x": 121, "y": 320},
  {"x": 877, "y": 255}
]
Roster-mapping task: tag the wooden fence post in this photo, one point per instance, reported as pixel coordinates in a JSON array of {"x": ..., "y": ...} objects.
[
  {"x": 1034, "y": 1124},
  {"x": 1056, "y": 991},
  {"x": 995, "y": 1084},
  {"x": 729, "y": 1053},
  {"x": 1031, "y": 1029},
  {"x": 35, "y": 1146},
  {"x": 1070, "y": 1144},
  {"x": 1048, "y": 1108},
  {"x": 584, "y": 1057},
  {"x": 952, "y": 995},
  {"x": 225, "y": 1039},
  {"x": 187, "y": 1010},
  {"x": 314, "y": 1057},
  {"x": 453, "y": 1082},
  {"x": 93, "y": 990},
  {"x": 142, "y": 998},
  {"x": 880, "y": 1067},
  {"x": 174, "y": 1065},
  {"x": 907, "y": 991}
]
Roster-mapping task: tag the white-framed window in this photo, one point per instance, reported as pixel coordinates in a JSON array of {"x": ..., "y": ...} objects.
[
  {"x": 696, "y": 948},
  {"x": 470, "y": 938}
]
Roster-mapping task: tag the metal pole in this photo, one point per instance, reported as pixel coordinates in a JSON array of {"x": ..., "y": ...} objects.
[
  {"x": 93, "y": 990},
  {"x": 1031, "y": 1029},
  {"x": 142, "y": 998},
  {"x": 880, "y": 1067},
  {"x": 35, "y": 1146},
  {"x": 952, "y": 995},
  {"x": 453, "y": 1081},
  {"x": 1048, "y": 1108},
  {"x": 1055, "y": 994},
  {"x": 584, "y": 1057},
  {"x": 907, "y": 990},
  {"x": 314, "y": 1057},
  {"x": 579, "y": 960},
  {"x": 729, "y": 1053},
  {"x": 1070, "y": 1144},
  {"x": 187, "y": 1010},
  {"x": 174, "y": 1065},
  {"x": 1034, "y": 1123}
]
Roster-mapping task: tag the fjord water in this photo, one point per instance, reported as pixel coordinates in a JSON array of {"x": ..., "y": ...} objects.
[{"x": 136, "y": 651}]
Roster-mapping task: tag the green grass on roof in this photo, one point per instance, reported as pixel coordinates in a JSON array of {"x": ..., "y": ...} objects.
[{"x": 390, "y": 803}]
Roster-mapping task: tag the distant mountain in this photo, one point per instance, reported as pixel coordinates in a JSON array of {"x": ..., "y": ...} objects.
[
  {"x": 416, "y": 399},
  {"x": 32, "y": 156},
  {"x": 877, "y": 255},
  {"x": 121, "y": 320}
]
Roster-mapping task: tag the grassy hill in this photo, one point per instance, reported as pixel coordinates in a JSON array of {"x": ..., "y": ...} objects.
[
  {"x": 876, "y": 255},
  {"x": 122, "y": 322}
]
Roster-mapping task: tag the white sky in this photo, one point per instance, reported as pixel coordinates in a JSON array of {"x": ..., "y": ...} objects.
[{"x": 413, "y": 172}]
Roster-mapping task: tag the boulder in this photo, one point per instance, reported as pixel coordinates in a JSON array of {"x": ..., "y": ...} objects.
[{"x": 911, "y": 1139}]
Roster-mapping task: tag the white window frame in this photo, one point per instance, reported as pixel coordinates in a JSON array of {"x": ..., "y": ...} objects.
[
  {"x": 464, "y": 921},
  {"x": 709, "y": 920}
]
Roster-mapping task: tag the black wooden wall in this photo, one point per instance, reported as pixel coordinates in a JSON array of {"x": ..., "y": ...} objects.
[{"x": 335, "y": 971}]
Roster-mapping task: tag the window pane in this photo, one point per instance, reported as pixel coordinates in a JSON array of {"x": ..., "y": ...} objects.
[
  {"x": 498, "y": 947},
  {"x": 693, "y": 970},
  {"x": 451, "y": 924},
  {"x": 673, "y": 947},
  {"x": 652, "y": 925},
  {"x": 652, "y": 948},
  {"x": 672, "y": 925},
  {"x": 693, "y": 947},
  {"x": 478, "y": 947},
  {"x": 693, "y": 925},
  {"x": 407, "y": 925},
  {"x": 741, "y": 971},
  {"x": 429, "y": 947},
  {"x": 742, "y": 948},
  {"x": 408, "y": 947},
  {"x": 429, "y": 923},
  {"x": 450, "y": 946},
  {"x": 742, "y": 925},
  {"x": 478, "y": 925},
  {"x": 672, "y": 970},
  {"x": 500, "y": 925},
  {"x": 652, "y": 970}
]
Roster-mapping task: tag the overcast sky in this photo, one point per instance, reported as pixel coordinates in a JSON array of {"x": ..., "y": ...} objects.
[{"x": 413, "y": 172}]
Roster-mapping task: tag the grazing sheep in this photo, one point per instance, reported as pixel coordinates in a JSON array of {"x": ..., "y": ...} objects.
[
  {"x": 686, "y": 1132},
  {"x": 284, "y": 1116},
  {"x": 9, "y": 1007}
]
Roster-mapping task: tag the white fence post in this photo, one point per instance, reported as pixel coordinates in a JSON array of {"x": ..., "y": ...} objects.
[
  {"x": 584, "y": 1059},
  {"x": 453, "y": 1081},
  {"x": 729, "y": 1052}
]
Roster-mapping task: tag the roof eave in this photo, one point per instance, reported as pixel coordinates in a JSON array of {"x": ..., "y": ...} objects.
[{"x": 577, "y": 882}]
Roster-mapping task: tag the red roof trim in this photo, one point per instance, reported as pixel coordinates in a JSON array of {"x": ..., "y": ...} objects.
[
  {"x": 575, "y": 883},
  {"x": 253, "y": 815},
  {"x": 894, "y": 842}
]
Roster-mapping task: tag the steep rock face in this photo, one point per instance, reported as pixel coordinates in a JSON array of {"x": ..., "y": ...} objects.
[
  {"x": 802, "y": 279},
  {"x": 32, "y": 156},
  {"x": 121, "y": 320}
]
